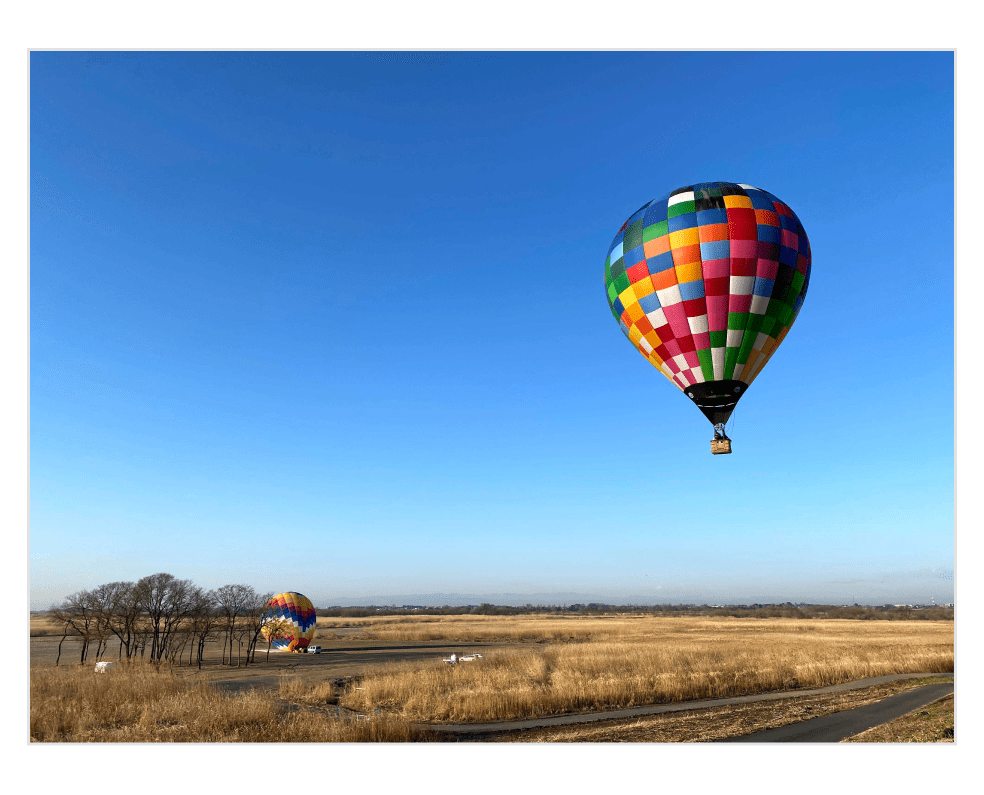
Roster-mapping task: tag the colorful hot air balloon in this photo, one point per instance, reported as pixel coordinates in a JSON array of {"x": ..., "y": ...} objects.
[
  {"x": 289, "y": 621},
  {"x": 706, "y": 282}
]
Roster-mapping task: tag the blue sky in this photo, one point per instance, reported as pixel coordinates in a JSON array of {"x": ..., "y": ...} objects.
[{"x": 335, "y": 323}]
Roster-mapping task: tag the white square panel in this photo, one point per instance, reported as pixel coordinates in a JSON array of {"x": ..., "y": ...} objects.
[
  {"x": 657, "y": 318},
  {"x": 759, "y": 304},
  {"x": 669, "y": 296},
  {"x": 742, "y": 285},
  {"x": 698, "y": 325}
]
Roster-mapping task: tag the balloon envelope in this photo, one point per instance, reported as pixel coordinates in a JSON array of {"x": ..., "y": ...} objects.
[
  {"x": 706, "y": 281},
  {"x": 289, "y": 621}
]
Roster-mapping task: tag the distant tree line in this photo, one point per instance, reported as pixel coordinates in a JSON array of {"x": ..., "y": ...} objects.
[
  {"x": 160, "y": 618},
  {"x": 785, "y": 610}
]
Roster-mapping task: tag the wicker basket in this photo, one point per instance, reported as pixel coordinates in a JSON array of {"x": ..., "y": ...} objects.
[{"x": 721, "y": 446}]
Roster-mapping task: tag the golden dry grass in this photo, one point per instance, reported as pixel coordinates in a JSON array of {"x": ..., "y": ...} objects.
[
  {"x": 930, "y": 724},
  {"x": 471, "y": 628},
  {"x": 642, "y": 660},
  {"x": 42, "y": 624},
  {"x": 141, "y": 703},
  {"x": 715, "y": 723}
]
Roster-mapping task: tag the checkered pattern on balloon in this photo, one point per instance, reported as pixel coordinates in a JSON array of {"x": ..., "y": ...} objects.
[
  {"x": 706, "y": 282},
  {"x": 289, "y": 621}
]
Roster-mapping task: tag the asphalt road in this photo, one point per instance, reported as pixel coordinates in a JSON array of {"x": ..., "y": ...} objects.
[
  {"x": 841, "y": 725},
  {"x": 634, "y": 712}
]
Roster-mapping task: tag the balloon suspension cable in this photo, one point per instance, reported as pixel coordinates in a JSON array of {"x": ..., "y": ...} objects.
[{"x": 719, "y": 431}]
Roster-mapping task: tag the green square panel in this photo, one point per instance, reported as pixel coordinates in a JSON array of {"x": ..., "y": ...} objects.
[
  {"x": 633, "y": 237},
  {"x": 737, "y": 320},
  {"x": 681, "y": 208},
  {"x": 653, "y": 231},
  {"x": 706, "y": 365}
]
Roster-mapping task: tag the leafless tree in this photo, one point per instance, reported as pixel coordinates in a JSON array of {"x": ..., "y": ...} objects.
[
  {"x": 275, "y": 628},
  {"x": 118, "y": 611},
  {"x": 167, "y": 602},
  {"x": 231, "y": 601},
  {"x": 78, "y": 612},
  {"x": 254, "y": 611},
  {"x": 204, "y": 620}
]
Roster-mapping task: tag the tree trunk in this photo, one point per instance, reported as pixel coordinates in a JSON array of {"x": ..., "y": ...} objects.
[{"x": 59, "y": 647}]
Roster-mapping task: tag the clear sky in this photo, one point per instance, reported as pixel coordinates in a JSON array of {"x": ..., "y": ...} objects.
[{"x": 336, "y": 323}]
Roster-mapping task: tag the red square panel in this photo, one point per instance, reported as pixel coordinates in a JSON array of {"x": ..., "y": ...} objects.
[
  {"x": 637, "y": 272},
  {"x": 719, "y": 286},
  {"x": 695, "y": 307},
  {"x": 742, "y": 224},
  {"x": 743, "y": 267}
]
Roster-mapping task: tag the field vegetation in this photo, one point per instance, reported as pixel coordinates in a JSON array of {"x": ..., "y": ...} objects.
[
  {"x": 145, "y": 702},
  {"x": 732, "y": 720},
  {"x": 930, "y": 724},
  {"x": 593, "y": 664},
  {"x": 533, "y": 665}
]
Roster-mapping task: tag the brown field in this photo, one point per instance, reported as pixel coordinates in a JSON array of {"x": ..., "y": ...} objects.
[
  {"x": 593, "y": 664},
  {"x": 533, "y": 666},
  {"x": 140, "y": 702},
  {"x": 719, "y": 723}
]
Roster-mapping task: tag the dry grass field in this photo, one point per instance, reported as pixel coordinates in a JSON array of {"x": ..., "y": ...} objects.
[
  {"x": 593, "y": 664},
  {"x": 140, "y": 702},
  {"x": 533, "y": 666},
  {"x": 719, "y": 723}
]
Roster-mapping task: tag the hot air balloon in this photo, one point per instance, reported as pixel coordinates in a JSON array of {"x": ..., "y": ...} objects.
[
  {"x": 289, "y": 621},
  {"x": 706, "y": 281}
]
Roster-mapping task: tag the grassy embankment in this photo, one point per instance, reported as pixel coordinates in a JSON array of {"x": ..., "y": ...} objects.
[
  {"x": 141, "y": 703},
  {"x": 593, "y": 664},
  {"x": 930, "y": 724}
]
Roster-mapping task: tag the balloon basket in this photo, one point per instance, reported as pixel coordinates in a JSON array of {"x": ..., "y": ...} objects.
[{"x": 721, "y": 446}]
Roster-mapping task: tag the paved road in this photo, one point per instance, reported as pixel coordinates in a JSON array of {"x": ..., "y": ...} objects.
[
  {"x": 841, "y": 725},
  {"x": 565, "y": 720}
]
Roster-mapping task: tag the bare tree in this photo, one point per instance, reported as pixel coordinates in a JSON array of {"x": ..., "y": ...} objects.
[
  {"x": 231, "y": 600},
  {"x": 254, "y": 612},
  {"x": 167, "y": 601},
  {"x": 203, "y": 619},
  {"x": 78, "y": 612},
  {"x": 118, "y": 611},
  {"x": 274, "y": 628}
]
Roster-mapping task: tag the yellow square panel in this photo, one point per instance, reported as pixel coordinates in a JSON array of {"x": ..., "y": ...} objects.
[
  {"x": 635, "y": 335},
  {"x": 643, "y": 287},
  {"x": 685, "y": 237},
  {"x": 738, "y": 201},
  {"x": 635, "y": 312},
  {"x": 627, "y": 296},
  {"x": 689, "y": 273}
]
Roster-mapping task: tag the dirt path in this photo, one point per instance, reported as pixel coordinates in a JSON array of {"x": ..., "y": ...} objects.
[
  {"x": 485, "y": 729},
  {"x": 841, "y": 725}
]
